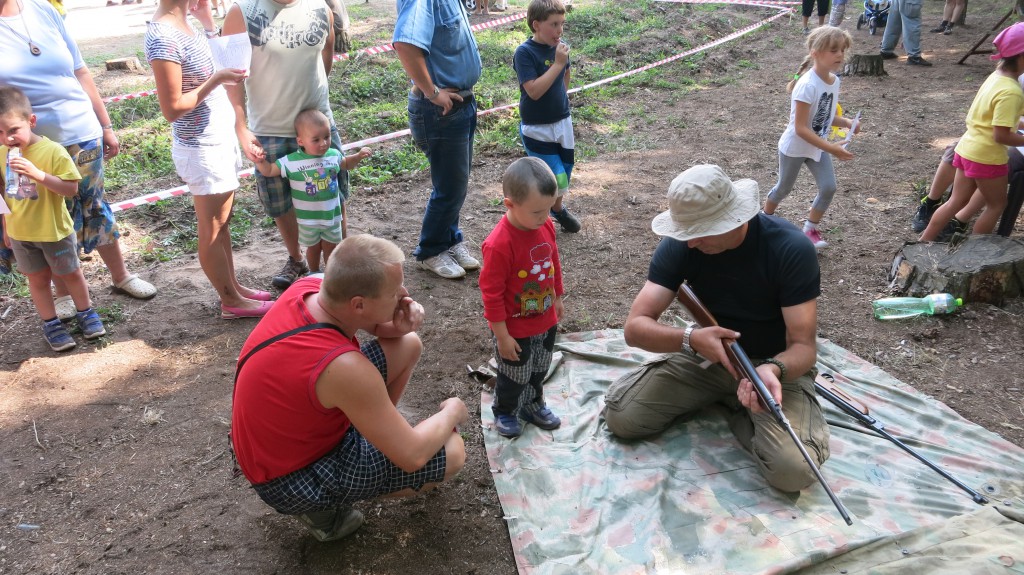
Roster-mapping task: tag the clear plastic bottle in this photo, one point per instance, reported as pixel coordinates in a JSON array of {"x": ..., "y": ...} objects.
[
  {"x": 904, "y": 307},
  {"x": 10, "y": 176}
]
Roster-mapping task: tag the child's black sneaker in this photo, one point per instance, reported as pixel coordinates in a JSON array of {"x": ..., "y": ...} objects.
[
  {"x": 58, "y": 337},
  {"x": 90, "y": 324},
  {"x": 570, "y": 223},
  {"x": 952, "y": 228},
  {"x": 540, "y": 416},
  {"x": 508, "y": 424},
  {"x": 923, "y": 216}
]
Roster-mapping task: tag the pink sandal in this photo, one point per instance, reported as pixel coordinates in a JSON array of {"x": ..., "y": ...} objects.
[
  {"x": 260, "y": 295},
  {"x": 228, "y": 312}
]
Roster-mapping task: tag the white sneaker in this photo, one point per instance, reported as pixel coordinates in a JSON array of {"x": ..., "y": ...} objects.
[
  {"x": 460, "y": 253},
  {"x": 443, "y": 265}
]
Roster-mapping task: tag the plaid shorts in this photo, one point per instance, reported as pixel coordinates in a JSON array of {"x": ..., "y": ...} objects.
[
  {"x": 354, "y": 471},
  {"x": 94, "y": 222},
  {"x": 274, "y": 193}
]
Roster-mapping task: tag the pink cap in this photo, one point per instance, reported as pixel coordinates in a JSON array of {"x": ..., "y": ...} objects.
[{"x": 1009, "y": 42}]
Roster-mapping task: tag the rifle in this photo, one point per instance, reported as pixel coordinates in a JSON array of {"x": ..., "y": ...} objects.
[
  {"x": 738, "y": 358},
  {"x": 829, "y": 392}
]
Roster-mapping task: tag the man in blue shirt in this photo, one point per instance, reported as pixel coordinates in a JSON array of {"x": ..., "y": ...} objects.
[{"x": 439, "y": 54}]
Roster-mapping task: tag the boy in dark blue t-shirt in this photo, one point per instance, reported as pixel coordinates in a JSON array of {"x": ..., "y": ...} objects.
[{"x": 542, "y": 66}]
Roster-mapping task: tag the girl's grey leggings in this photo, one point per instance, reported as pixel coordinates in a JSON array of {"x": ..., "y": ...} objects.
[{"x": 824, "y": 176}]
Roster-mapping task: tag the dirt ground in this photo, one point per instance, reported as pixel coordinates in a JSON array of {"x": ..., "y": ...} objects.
[{"x": 113, "y": 457}]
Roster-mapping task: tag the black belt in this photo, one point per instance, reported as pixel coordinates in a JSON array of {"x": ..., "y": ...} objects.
[{"x": 466, "y": 94}]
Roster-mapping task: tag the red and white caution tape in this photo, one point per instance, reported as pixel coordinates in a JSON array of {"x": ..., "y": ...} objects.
[
  {"x": 347, "y": 55},
  {"x": 182, "y": 190}
]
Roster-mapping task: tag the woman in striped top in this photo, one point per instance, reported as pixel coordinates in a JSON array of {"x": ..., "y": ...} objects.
[{"x": 205, "y": 150}]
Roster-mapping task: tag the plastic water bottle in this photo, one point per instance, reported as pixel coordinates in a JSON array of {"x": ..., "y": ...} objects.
[
  {"x": 10, "y": 176},
  {"x": 903, "y": 307}
]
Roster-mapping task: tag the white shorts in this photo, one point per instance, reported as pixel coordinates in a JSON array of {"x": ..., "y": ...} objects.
[{"x": 208, "y": 170}]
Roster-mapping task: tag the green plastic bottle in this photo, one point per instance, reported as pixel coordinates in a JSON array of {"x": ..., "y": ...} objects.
[{"x": 904, "y": 307}]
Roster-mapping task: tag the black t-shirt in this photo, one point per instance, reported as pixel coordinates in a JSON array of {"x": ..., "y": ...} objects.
[
  {"x": 531, "y": 60},
  {"x": 746, "y": 288}
]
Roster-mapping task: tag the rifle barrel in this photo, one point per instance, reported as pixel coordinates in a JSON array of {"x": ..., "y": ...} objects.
[{"x": 877, "y": 427}]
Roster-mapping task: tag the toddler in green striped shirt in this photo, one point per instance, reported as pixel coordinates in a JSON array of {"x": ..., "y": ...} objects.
[{"x": 312, "y": 174}]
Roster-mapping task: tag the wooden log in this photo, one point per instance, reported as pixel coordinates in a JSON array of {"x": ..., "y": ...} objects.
[
  {"x": 130, "y": 64},
  {"x": 865, "y": 65},
  {"x": 982, "y": 268}
]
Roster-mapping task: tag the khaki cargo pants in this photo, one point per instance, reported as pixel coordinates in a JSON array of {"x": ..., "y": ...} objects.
[{"x": 647, "y": 401}]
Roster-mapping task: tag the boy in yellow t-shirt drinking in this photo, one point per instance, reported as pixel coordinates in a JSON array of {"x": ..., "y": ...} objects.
[{"x": 39, "y": 229}]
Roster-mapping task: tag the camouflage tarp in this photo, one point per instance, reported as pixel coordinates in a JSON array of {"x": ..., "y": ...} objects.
[{"x": 576, "y": 500}]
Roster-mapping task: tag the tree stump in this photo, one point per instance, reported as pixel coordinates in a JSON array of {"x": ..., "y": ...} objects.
[
  {"x": 130, "y": 64},
  {"x": 342, "y": 39},
  {"x": 865, "y": 65},
  {"x": 983, "y": 268}
]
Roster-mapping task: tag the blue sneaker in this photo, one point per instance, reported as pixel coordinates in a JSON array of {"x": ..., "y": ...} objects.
[
  {"x": 540, "y": 416},
  {"x": 90, "y": 324},
  {"x": 507, "y": 425},
  {"x": 58, "y": 337}
]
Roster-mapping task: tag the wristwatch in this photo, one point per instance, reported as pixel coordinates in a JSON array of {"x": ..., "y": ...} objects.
[{"x": 434, "y": 95}]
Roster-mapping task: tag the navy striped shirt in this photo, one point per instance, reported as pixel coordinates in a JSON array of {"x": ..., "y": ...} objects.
[{"x": 192, "y": 53}]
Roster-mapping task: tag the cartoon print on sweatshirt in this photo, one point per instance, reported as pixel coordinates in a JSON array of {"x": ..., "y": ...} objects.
[{"x": 538, "y": 295}]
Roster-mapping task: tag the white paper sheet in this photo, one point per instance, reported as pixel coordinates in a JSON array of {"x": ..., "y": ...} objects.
[
  {"x": 851, "y": 130},
  {"x": 232, "y": 51}
]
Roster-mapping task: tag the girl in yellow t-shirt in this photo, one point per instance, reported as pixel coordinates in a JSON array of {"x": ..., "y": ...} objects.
[{"x": 981, "y": 159}]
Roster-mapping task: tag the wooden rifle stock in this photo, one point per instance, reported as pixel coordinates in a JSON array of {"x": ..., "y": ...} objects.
[
  {"x": 837, "y": 399},
  {"x": 738, "y": 358}
]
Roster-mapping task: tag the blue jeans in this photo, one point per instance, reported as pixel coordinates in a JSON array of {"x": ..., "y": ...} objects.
[
  {"x": 905, "y": 17},
  {"x": 447, "y": 142}
]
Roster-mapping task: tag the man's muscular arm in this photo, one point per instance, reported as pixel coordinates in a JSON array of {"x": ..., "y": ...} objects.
[
  {"x": 643, "y": 330},
  {"x": 799, "y": 356},
  {"x": 351, "y": 383}
]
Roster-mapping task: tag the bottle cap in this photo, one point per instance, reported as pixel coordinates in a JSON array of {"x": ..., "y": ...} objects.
[{"x": 959, "y": 302}]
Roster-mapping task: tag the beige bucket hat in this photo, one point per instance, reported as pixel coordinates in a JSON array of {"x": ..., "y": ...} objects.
[{"x": 703, "y": 201}]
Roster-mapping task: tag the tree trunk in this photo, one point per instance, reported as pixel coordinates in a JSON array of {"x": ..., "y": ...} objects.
[
  {"x": 984, "y": 268},
  {"x": 342, "y": 40},
  {"x": 865, "y": 65}
]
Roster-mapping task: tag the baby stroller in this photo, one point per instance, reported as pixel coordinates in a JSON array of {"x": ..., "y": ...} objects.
[{"x": 876, "y": 13}]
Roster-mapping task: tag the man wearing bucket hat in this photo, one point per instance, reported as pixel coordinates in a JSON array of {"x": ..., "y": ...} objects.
[{"x": 758, "y": 275}]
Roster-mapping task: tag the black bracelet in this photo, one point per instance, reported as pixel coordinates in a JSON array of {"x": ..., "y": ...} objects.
[{"x": 778, "y": 364}]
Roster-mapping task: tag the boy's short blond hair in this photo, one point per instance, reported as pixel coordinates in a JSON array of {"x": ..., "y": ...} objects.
[
  {"x": 358, "y": 267},
  {"x": 14, "y": 101},
  {"x": 526, "y": 174},
  {"x": 541, "y": 10}
]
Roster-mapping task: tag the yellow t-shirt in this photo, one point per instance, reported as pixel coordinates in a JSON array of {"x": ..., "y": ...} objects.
[
  {"x": 999, "y": 102},
  {"x": 45, "y": 219}
]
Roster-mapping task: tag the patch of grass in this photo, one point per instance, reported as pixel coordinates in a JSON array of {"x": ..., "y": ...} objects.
[
  {"x": 498, "y": 134},
  {"x": 385, "y": 165},
  {"x": 112, "y": 314},
  {"x": 14, "y": 285},
  {"x": 145, "y": 155}
]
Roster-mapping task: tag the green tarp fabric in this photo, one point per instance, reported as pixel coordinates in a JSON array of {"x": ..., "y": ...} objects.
[{"x": 578, "y": 500}]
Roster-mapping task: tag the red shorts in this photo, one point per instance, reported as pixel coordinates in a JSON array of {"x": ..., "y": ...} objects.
[{"x": 980, "y": 171}]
